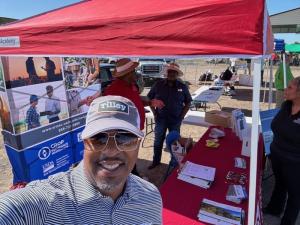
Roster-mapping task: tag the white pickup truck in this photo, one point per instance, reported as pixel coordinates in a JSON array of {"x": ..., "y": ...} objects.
[{"x": 152, "y": 68}]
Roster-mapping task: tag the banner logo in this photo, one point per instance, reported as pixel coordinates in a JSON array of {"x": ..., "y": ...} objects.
[
  {"x": 10, "y": 42},
  {"x": 44, "y": 153}
]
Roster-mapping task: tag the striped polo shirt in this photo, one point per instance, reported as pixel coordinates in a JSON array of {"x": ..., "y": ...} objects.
[{"x": 69, "y": 198}]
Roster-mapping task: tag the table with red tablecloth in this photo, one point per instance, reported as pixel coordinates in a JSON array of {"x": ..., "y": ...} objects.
[{"x": 181, "y": 200}]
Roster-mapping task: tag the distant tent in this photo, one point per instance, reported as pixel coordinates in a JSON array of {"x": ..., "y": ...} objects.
[{"x": 292, "y": 48}]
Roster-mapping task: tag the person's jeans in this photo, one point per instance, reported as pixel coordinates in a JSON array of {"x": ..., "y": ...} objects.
[{"x": 160, "y": 130}]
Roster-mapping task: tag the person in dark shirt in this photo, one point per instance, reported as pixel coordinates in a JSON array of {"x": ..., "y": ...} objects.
[
  {"x": 32, "y": 116},
  {"x": 50, "y": 69},
  {"x": 30, "y": 68},
  {"x": 177, "y": 99},
  {"x": 285, "y": 156}
]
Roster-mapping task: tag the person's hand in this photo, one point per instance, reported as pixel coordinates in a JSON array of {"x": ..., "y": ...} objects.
[
  {"x": 157, "y": 103},
  {"x": 83, "y": 102},
  {"x": 89, "y": 100},
  {"x": 91, "y": 78}
]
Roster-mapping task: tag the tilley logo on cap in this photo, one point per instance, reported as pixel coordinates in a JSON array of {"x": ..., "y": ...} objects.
[{"x": 113, "y": 106}]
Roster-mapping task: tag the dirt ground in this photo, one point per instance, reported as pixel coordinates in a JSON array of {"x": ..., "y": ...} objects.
[{"x": 192, "y": 70}]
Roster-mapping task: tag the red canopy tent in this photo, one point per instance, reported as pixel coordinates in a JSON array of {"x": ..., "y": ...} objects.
[
  {"x": 157, "y": 27},
  {"x": 189, "y": 28}
]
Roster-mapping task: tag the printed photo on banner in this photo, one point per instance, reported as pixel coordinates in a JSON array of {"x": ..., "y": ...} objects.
[
  {"x": 2, "y": 84},
  {"x": 25, "y": 71},
  {"x": 37, "y": 105},
  {"x": 6, "y": 123},
  {"x": 81, "y": 72},
  {"x": 79, "y": 99}
]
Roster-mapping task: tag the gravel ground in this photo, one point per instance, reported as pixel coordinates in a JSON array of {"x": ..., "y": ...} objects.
[{"x": 192, "y": 71}]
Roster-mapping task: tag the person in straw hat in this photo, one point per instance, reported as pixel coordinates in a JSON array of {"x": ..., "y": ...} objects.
[
  {"x": 125, "y": 85},
  {"x": 177, "y": 100}
]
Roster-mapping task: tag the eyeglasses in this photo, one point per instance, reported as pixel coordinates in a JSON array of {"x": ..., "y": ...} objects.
[{"x": 125, "y": 141}]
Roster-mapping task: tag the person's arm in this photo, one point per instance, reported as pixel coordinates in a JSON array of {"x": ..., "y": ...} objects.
[
  {"x": 188, "y": 100},
  {"x": 93, "y": 76},
  {"x": 19, "y": 207},
  {"x": 151, "y": 96},
  {"x": 185, "y": 110},
  {"x": 28, "y": 118},
  {"x": 9, "y": 215},
  {"x": 155, "y": 103},
  {"x": 82, "y": 102},
  {"x": 91, "y": 98}
]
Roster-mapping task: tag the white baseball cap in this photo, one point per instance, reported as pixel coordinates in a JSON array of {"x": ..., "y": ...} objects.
[{"x": 112, "y": 113}]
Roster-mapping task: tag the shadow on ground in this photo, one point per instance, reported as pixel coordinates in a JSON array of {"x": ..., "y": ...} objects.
[{"x": 156, "y": 175}]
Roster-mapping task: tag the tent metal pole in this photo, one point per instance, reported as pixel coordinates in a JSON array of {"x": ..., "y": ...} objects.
[
  {"x": 254, "y": 142},
  {"x": 271, "y": 84},
  {"x": 284, "y": 71}
]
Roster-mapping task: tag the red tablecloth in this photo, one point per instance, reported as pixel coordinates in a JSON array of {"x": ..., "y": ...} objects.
[{"x": 181, "y": 200}]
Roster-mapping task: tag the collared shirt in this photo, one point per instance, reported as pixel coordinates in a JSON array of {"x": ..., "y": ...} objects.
[
  {"x": 69, "y": 198},
  {"x": 122, "y": 88},
  {"x": 174, "y": 97},
  {"x": 32, "y": 118},
  {"x": 52, "y": 104}
]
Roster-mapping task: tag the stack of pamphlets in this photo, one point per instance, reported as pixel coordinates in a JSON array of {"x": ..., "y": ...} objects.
[
  {"x": 196, "y": 174},
  {"x": 217, "y": 213},
  {"x": 236, "y": 193},
  {"x": 239, "y": 124}
]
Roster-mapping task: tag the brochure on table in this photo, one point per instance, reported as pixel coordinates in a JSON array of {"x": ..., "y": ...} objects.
[
  {"x": 196, "y": 174},
  {"x": 217, "y": 213}
]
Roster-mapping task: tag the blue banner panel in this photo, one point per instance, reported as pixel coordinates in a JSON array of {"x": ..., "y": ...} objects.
[
  {"x": 42, "y": 160},
  {"x": 279, "y": 45},
  {"x": 78, "y": 146},
  {"x": 266, "y": 118}
]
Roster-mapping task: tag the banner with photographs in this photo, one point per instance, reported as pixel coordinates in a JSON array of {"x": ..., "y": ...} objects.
[
  {"x": 2, "y": 81},
  {"x": 5, "y": 115},
  {"x": 82, "y": 82},
  {"x": 6, "y": 123},
  {"x": 46, "y": 101}
]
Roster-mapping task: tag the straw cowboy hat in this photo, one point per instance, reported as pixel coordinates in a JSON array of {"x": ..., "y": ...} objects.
[
  {"x": 124, "y": 66},
  {"x": 174, "y": 67}
]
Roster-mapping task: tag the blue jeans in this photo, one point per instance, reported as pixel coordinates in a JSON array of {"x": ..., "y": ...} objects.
[{"x": 160, "y": 130}]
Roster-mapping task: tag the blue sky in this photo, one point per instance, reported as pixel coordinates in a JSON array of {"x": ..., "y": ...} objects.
[{"x": 20, "y": 9}]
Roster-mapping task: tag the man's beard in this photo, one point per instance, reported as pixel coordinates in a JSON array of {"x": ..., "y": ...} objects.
[{"x": 108, "y": 186}]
